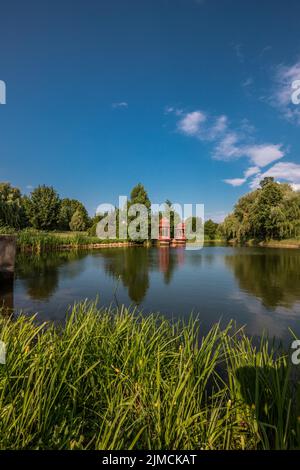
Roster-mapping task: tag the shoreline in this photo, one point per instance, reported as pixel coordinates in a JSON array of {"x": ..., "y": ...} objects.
[{"x": 69, "y": 247}]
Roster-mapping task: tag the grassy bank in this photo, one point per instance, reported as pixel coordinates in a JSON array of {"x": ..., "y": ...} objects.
[
  {"x": 36, "y": 241},
  {"x": 288, "y": 243},
  {"x": 293, "y": 243},
  {"x": 117, "y": 380}
]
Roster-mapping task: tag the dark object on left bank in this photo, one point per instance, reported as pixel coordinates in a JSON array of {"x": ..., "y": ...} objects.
[
  {"x": 7, "y": 254},
  {"x": 7, "y": 267}
]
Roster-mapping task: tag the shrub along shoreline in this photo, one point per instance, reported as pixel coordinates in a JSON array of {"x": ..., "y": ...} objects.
[
  {"x": 114, "y": 379},
  {"x": 31, "y": 241}
]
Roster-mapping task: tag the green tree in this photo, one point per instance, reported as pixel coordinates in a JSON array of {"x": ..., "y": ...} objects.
[
  {"x": 139, "y": 195},
  {"x": 12, "y": 211},
  {"x": 42, "y": 208},
  {"x": 267, "y": 215},
  {"x": 271, "y": 211},
  {"x": 210, "y": 229},
  {"x": 78, "y": 223},
  {"x": 66, "y": 211}
]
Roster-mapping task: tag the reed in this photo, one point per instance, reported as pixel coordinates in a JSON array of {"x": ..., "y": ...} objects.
[
  {"x": 114, "y": 379},
  {"x": 36, "y": 241}
]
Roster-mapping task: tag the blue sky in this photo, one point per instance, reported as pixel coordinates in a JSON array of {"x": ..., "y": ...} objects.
[{"x": 189, "y": 97}]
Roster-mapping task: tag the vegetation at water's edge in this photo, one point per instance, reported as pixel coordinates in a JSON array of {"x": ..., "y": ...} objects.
[
  {"x": 117, "y": 380},
  {"x": 271, "y": 212},
  {"x": 42, "y": 241}
]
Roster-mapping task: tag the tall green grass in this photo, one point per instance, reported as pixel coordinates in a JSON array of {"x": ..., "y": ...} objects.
[
  {"x": 36, "y": 241},
  {"x": 113, "y": 379}
]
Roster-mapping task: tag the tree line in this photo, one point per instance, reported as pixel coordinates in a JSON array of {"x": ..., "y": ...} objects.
[
  {"x": 43, "y": 209},
  {"x": 270, "y": 212}
]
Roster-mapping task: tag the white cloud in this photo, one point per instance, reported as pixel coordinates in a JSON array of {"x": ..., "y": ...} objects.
[
  {"x": 200, "y": 125},
  {"x": 229, "y": 144},
  {"x": 235, "y": 181},
  {"x": 263, "y": 155},
  {"x": 121, "y": 104},
  {"x": 285, "y": 170},
  {"x": 228, "y": 147},
  {"x": 282, "y": 93},
  {"x": 219, "y": 127},
  {"x": 190, "y": 124},
  {"x": 260, "y": 155},
  {"x": 252, "y": 170},
  {"x": 282, "y": 171}
]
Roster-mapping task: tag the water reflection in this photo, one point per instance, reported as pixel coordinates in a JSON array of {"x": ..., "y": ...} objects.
[
  {"x": 257, "y": 287},
  {"x": 40, "y": 273},
  {"x": 133, "y": 266},
  {"x": 169, "y": 260},
  {"x": 272, "y": 276},
  {"x": 6, "y": 294}
]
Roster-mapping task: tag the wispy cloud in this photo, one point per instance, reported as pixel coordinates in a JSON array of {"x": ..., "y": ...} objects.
[
  {"x": 281, "y": 171},
  {"x": 252, "y": 170},
  {"x": 120, "y": 104},
  {"x": 265, "y": 50},
  {"x": 229, "y": 143},
  {"x": 248, "y": 82},
  {"x": 238, "y": 48},
  {"x": 200, "y": 125},
  {"x": 172, "y": 109},
  {"x": 235, "y": 181},
  {"x": 263, "y": 155},
  {"x": 281, "y": 98},
  {"x": 191, "y": 123}
]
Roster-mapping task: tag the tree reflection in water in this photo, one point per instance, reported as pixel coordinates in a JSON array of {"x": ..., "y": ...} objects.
[
  {"x": 40, "y": 273},
  {"x": 271, "y": 275},
  {"x": 6, "y": 294},
  {"x": 132, "y": 266}
]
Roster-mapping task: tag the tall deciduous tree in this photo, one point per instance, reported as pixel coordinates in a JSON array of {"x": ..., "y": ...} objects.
[
  {"x": 11, "y": 206},
  {"x": 139, "y": 195},
  {"x": 272, "y": 211},
  {"x": 67, "y": 209},
  {"x": 42, "y": 208},
  {"x": 77, "y": 223},
  {"x": 210, "y": 229}
]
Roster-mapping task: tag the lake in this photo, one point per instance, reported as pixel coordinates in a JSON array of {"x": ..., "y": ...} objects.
[{"x": 255, "y": 286}]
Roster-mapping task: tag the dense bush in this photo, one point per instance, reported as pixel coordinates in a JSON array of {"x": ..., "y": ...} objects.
[
  {"x": 270, "y": 212},
  {"x": 42, "y": 209}
]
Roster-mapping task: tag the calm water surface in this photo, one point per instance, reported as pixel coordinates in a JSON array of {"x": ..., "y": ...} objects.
[{"x": 255, "y": 286}]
